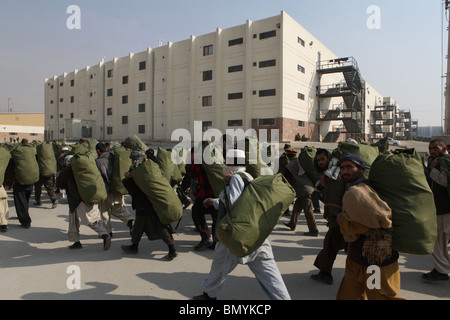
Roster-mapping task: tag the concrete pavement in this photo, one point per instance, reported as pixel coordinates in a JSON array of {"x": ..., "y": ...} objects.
[{"x": 36, "y": 264}]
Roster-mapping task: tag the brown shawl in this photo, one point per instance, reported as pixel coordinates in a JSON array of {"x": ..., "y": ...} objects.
[{"x": 361, "y": 204}]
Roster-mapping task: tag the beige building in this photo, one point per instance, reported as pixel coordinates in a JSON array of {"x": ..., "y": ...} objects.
[
  {"x": 267, "y": 74},
  {"x": 17, "y": 126}
]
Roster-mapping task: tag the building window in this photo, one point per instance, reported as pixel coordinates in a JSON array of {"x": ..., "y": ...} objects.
[
  {"x": 72, "y": 115},
  {"x": 109, "y": 92},
  {"x": 110, "y": 73},
  {"x": 301, "y": 96},
  {"x": 124, "y": 119},
  {"x": 141, "y": 107},
  {"x": 109, "y": 112},
  {"x": 72, "y": 99},
  {"x": 235, "y": 123},
  {"x": 142, "y": 65},
  {"x": 206, "y": 125},
  {"x": 124, "y": 99},
  {"x": 124, "y": 79},
  {"x": 301, "y": 123},
  {"x": 301, "y": 41},
  {"x": 235, "y": 68},
  {"x": 51, "y": 101},
  {"x": 268, "y": 34},
  {"x": 61, "y": 116},
  {"x": 301, "y": 68},
  {"x": 61, "y": 100},
  {"x": 234, "y": 96},
  {"x": 235, "y": 42},
  {"x": 141, "y": 86},
  {"x": 208, "y": 50},
  {"x": 268, "y": 93},
  {"x": 141, "y": 129},
  {"x": 61, "y": 84},
  {"x": 268, "y": 63},
  {"x": 109, "y": 131},
  {"x": 72, "y": 83},
  {"x": 207, "y": 101},
  {"x": 267, "y": 122},
  {"x": 207, "y": 75}
]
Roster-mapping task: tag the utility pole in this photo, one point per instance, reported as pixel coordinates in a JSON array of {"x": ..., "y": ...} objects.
[
  {"x": 447, "y": 86},
  {"x": 9, "y": 105}
]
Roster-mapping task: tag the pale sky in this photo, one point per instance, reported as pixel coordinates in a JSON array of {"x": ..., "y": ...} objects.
[{"x": 402, "y": 59}]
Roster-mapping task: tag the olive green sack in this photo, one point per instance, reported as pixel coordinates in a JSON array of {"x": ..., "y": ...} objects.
[
  {"x": 306, "y": 158},
  {"x": 122, "y": 163},
  {"x": 255, "y": 214},
  {"x": 46, "y": 159},
  {"x": 399, "y": 179},
  {"x": 26, "y": 166},
  {"x": 5, "y": 157},
  {"x": 149, "y": 178},
  {"x": 368, "y": 153},
  {"x": 89, "y": 181}
]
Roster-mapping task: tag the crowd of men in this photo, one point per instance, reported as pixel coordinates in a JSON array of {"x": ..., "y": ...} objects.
[{"x": 342, "y": 184}]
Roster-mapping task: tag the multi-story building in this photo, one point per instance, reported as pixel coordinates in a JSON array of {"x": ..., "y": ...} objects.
[{"x": 267, "y": 74}]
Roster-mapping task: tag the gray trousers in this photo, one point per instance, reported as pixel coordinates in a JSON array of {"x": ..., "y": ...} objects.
[
  {"x": 264, "y": 268},
  {"x": 88, "y": 215}
]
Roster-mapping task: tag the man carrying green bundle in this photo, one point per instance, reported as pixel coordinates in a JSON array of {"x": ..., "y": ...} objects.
[
  {"x": 261, "y": 262},
  {"x": 147, "y": 220},
  {"x": 366, "y": 222},
  {"x": 439, "y": 185},
  {"x": 114, "y": 205},
  {"x": 80, "y": 211}
]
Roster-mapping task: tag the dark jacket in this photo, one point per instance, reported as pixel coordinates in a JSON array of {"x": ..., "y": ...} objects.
[
  {"x": 105, "y": 164},
  {"x": 140, "y": 202}
]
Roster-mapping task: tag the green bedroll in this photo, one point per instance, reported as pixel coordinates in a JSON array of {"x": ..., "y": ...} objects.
[
  {"x": 367, "y": 152},
  {"x": 399, "y": 179},
  {"x": 89, "y": 181},
  {"x": 5, "y": 157},
  {"x": 122, "y": 164},
  {"x": 46, "y": 159},
  {"x": 26, "y": 166},
  {"x": 213, "y": 166},
  {"x": 135, "y": 143},
  {"x": 149, "y": 178},
  {"x": 306, "y": 158},
  {"x": 255, "y": 214}
]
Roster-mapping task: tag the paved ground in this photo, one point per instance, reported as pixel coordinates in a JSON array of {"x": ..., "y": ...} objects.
[{"x": 35, "y": 263}]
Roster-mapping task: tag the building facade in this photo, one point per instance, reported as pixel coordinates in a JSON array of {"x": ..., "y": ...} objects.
[
  {"x": 17, "y": 126},
  {"x": 267, "y": 74}
]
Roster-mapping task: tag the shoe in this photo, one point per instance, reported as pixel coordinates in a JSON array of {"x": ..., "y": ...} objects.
[
  {"x": 212, "y": 246},
  {"x": 203, "y": 296},
  {"x": 323, "y": 277},
  {"x": 76, "y": 245},
  {"x": 106, "y": 241},
  {"x": 3, "y": 228},
  {"x": 54, "y": 205},
  {"x": 290, "y": 226},
  {"x": 26, "y": 226},
  {"x": 435, "y": 275},
  {"x": 171, "y": 255},
  {"x": 129, "y": 249},
  {"x": 38, "y": 203},
  {"x": 316, "y": 211},
  {"x": 311, "y": 233},
  {"x": 204, "y": 244}
]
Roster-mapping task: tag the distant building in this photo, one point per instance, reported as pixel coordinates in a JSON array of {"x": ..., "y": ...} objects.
[
  {"x": 17, "y": 126},
  {"x": 267, "y": 74},
  {"x": 429, "y": 131}
]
